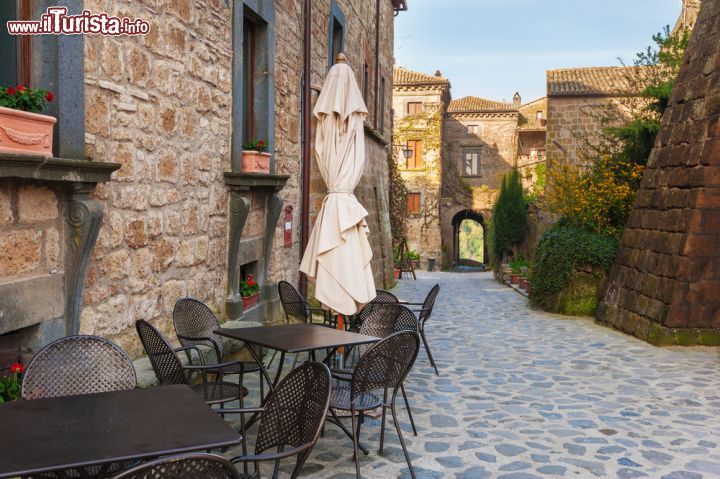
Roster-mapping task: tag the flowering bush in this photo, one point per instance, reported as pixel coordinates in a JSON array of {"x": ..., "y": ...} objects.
[
  {"x": 10, "y": 385},
  {"x": 26, "y": 99},
  {"x": 249, "y": 287},
  {"x": 256, "y": 145}
]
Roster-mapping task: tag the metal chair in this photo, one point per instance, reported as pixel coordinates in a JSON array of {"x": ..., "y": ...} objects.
[
  {"x": 424, "y": 314},
  {"x": 195, "y": 324},
  {"x": 77, "y": 365},
  {"x": 382, "y": 320},
  {"x": 295, "y": 306},
  {"x": 381, "y": 297},
  {"x": 184, "y": 466},
  {"x": 384, "y": 366},
  {"x": 170, "y": 370},
  {"x": 290, "y": 420}
]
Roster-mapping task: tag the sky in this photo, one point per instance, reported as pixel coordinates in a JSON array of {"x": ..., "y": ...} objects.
[{"x": 493, "y": 48}]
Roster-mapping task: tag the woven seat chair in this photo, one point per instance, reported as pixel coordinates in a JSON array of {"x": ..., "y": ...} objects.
[
  {"x": 381, "y": 297},
  {"x": 381, "y": 320},
  {"x": 195, "y": 324},
  {"x": 423, "y": 315},
  {"x": 290, "y": 420},
  {"x": 295, "y": 307},
  {"x": 79, "y": 365},
  {"x": 383, "y": 367},
  {"x": 185, "y": 466},
  {"x": 170, "y": 370}
]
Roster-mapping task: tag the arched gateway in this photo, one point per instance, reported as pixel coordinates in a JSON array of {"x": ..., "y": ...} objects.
[{"x": 469, "y": 238}]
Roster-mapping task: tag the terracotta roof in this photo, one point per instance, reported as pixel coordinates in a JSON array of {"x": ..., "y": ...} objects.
[
  {"x": 528, "y": 115},
  {"x": 591, "y": 81},
  {"x": 403, "y": 76},
  {"x": 476, "y": 104}
]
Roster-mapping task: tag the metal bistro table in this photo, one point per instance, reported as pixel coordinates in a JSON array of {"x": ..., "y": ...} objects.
[
  {"x": 54, "y": 434},
  {"x": 294, "y": 338}
]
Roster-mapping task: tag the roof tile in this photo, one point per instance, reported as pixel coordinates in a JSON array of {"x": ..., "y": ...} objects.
[
  {"x": 591, "y": 81},
  {"x": 476, "y": 104},
  {"x": 403, "y": 76}
]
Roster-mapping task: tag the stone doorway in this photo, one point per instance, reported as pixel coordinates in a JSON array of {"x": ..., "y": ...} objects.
[{"x": 469, "y": 239}]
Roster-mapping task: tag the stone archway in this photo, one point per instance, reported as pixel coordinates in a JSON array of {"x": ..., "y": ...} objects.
[{"x": 457, "y": 222}]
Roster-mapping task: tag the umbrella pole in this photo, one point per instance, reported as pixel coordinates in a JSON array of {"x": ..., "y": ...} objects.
[{"x": 307, "y": 99}]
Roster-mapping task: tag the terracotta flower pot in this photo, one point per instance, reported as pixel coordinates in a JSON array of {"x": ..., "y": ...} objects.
[
  {"x": 515, "y": 278},
  {"x": 250, "y": 301},
  {"x": 396, "y": 273},
  {"x": 26, "y": 132},
  {"x": 523, "y": 283},
  {"x": 255, "y": 162}
]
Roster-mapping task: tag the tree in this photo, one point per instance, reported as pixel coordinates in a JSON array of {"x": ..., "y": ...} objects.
[{"x": 509, "y": 217}]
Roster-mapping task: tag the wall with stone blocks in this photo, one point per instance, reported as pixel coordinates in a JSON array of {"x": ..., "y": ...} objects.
[
  {"x": 571, "y": 123},
  {"x": 664, "y": 284}
]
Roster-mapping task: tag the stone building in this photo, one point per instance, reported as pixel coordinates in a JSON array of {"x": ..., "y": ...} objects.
[
  {"x": 479, "y": 147},
  {"x": 663, "y": 287},
  {"x": 144, "y": 201},
  {"x": 419, "y": 105},
  {"x": 531, "y": 142},
  {"x": 576, "y": 100},
  {"x": 688, "y": 15}
]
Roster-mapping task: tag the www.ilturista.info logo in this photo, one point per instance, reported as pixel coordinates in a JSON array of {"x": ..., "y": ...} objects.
[{"x": 56, "y": 21}]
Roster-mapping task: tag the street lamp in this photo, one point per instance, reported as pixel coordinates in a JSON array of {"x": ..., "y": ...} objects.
[{"x": 406, "y": 151}]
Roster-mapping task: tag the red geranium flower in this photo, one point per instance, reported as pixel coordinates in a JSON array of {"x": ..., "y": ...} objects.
[
  {"x": 251, "y": 282},
  {"x": 20, "y": 88},
  {"x": 17, "y": 368},
  {"x": 10, "y": 91},
  {"x": 49, "y": 96}
]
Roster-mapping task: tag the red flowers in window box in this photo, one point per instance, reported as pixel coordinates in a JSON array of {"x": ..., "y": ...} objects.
[{"x": 22, "y": 128}]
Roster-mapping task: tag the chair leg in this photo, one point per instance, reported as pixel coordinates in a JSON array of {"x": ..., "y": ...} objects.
[
  {"x": 427, "y": 350},
  {"x": 339, "y": 424},
  {"x": 356, "y": 441},
  {"x": 407, "y": 406},
  {"x": 382, "y": 428},
  {"x": 402, "y": 441}
]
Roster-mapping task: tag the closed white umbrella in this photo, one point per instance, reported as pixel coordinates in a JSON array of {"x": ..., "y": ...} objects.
[{"x": 338, "y": 253}]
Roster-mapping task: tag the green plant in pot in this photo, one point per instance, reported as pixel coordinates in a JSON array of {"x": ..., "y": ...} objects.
[
  {"x": 255, "y": 157},
  {"x": 250, "y": 291},
  {"x": 10, "y": 385},
  {"x": 23, "y": 129}
]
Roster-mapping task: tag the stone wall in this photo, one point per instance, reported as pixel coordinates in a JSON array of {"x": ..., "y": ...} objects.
[
  {"x": 32, "y": 258},
  {"x": 424, "y": 229},
  {"x": 571, "y": 123},
  {"x": 664, "y": 284},
  {"x": 497, "y": 142}
]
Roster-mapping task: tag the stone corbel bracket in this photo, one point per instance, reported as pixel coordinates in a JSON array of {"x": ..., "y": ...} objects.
[
  {"x": 241, "y": 186},
  {"x": 84, "y": 214}
]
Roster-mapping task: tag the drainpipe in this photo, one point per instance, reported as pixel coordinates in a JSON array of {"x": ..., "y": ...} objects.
[
  {"x": 306, "y": 160},
  {"x": 377, "y": 63}
]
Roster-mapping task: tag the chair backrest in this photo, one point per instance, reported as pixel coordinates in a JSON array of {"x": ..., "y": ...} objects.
[
  {"x": 195, "y": 319},
  {"x": 385, "y": 365},
  {"x": 382, "y": 296},
  {"x": 292, "y": 302},
  {"x": 78, "y": 365},
  {"x": 164, "y": 359},
  {"x": 428, "y": 304},
  {"x": 295, "y": 411},
  {"x": 185, "y": 466},
  {"x": 384, "y": 319}
]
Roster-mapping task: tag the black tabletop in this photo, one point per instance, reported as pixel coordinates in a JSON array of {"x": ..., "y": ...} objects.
[
  {"x": 296, "y": 338},
  {"x": 51, "y": 434}
]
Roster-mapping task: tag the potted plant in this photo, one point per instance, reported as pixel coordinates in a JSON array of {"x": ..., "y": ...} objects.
[
  {"x": 10, "y": 385},
  {"x": 396, "y": 263},
  {"x": 255, "y": 159},
  {"x": 413, "y": 256},
  {"x": 22, "y": 128},
  {"x": 250, "y": 291}
]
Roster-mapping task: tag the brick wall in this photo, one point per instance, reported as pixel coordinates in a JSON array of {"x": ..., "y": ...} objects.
[
  {"x": 664, "y": 284},
  {"x": 571, "y": 121}
]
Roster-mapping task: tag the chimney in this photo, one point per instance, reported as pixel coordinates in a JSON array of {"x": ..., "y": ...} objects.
[
  {"x": 437, "y": 73},
  {"x": 517, "y": 100}
]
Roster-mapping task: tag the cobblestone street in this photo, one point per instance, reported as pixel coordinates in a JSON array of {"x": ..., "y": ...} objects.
[{"x": 524, "y": 394}]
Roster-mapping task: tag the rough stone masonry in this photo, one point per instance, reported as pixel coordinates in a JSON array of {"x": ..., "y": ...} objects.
[{"x": 664, "y": 286}]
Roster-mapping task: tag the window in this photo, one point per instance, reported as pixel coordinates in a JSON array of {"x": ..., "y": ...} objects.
[
  {"x": 413, "y": 202},
  {"x": 414, "y": 107},
  {"x": 14, "y": 50},
  {"x": 382, "y": 105},
  {"x": 416, "y": 159},
  {"x": 365, "y": 81},
  {"x": 337, "y": 32},
  {"x": 473, "y": 129},
  {"x": 471, "y": 163},
  {"x": 249, "y": 61},
  {"x": 539, "y": 115}
]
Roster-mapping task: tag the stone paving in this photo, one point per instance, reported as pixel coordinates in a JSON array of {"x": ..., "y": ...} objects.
[{"x": 524, "y": 394}]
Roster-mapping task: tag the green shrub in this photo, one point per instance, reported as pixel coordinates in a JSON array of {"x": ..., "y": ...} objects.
[
  {"x": 509, "y": 216},
  {"x": 560, "y": 251}
]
